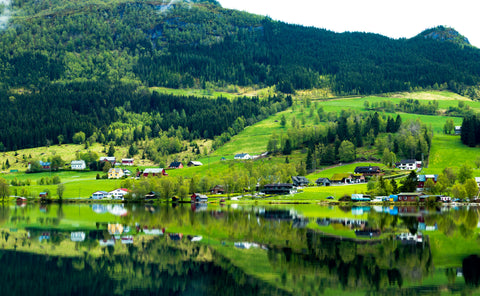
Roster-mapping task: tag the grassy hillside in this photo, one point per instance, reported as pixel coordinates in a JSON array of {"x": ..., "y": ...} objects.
[{"x": 446, "y": 151}]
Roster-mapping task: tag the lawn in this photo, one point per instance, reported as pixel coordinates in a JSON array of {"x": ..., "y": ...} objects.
[{"x": 321, "y": 192}]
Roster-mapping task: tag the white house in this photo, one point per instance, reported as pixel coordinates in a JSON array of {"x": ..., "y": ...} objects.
[
  {"x": 78, "y": 165},
  {"x": 99, "y": 194},
  {"x": 78, "y": 236},
  {"x": 408, "y": 164},
  {"x": 243, "y": 156},
  {"x": 118, "y": 193}
]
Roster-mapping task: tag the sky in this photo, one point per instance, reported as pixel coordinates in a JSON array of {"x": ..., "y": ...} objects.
[{"x": 392, "y": 18}]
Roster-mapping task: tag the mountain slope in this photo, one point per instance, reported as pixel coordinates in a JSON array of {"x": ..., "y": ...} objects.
[
  {"x": 186, "y": 44},
  {"x": 69, "y": 67}
]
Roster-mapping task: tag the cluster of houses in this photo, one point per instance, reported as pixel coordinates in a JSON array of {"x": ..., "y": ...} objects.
[{"x": 81, "y": 165}]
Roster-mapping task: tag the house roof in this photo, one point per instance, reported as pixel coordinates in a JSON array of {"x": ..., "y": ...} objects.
[
  {"x": 322, "y": 180},
  {"x": 242, "y": 155},
  {"x": 340, "y": 176},
  {"x": 195, "y": 163},
  {"x": 77, "y": 162},
  {"x": 300, "y": 179},
  {"x": 100, "y": 192},
  {"x": 423, "y": 178},
  {"x": 153, "y": 171},
  {"x": 367, "y": 169},
  {"x": 116, "y": 170},
  {"x": 279, "y": 185},
  {"x": 44, "y": 163},
  {"x": 410, "y": 194},
  {"x": 127, "y": 159},
  {"x": 107, "y": 158},
  {"x": 119, "y": 189},
  {"x": 407, "y": 161}
]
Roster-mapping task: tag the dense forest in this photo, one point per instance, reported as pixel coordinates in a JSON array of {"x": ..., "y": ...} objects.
[
  {"x": 123, "y": 115},
  {"x": 80, "y": 67},
  {"x": 186, "y": 45}
]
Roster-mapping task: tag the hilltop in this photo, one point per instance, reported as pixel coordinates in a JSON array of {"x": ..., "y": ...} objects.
[{"x": 444, "y": 34}]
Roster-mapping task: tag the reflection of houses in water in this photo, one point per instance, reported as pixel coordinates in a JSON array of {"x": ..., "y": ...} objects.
[
  {"x": 175, "y": 236},
  {"x": 153, "y": 231},
  {"x": 360, "y": 210},
  {"x": 107, "y": 242},
  {"x": 408, "y": 238},
  {"x": 117, "y": 210},
  {"x": 197, "y": 207},
  {"x": 195, "y": 238},
  {"x": 367, "y": 233},
  {"x": 300, "y": 222},
  {"x": 281, "y": 215},
  {"x": 99, "y": 209},
  {"x": 44, "y": 236},
  {"x": 349, "y": 223},
  {"x": 246, "y": 245},
  {"x": 422, "y": 225},
  {"x": 115, "y": 229},
  {"x": 127, "y": 240},
  {"x": 217, "y": 214},
  {"x": 78, "y": 236},
  {"x": 412, "y": 211}
]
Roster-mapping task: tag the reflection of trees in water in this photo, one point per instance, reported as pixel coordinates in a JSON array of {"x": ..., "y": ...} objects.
[
  {"x": 159, "y": 269},
  {"x": 471, "y": 270},
  {"x": 462, "y": 221},
  {"x": 353, "y": 265}
]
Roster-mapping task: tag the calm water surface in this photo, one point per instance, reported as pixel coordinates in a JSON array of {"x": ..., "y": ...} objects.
[{"x": 188, "y": 249}]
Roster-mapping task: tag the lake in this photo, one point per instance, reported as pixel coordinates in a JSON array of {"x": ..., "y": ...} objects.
[{"x": 183, "y": 249}]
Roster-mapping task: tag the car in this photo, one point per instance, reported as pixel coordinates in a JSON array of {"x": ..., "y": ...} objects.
[{"x": 330, "y": 197}]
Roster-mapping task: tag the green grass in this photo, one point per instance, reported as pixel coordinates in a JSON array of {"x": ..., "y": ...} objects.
[
  {"x": 320, "y": 193},
  {"x": 448, "y": 151},
  {"x": 347, "y": 168},
  {"x": 77, "y": 184}
]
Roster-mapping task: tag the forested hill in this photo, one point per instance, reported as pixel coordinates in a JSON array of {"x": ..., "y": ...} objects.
[{"x": 192, "y": 43}]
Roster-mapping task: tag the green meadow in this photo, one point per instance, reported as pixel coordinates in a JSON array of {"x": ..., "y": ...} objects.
[{"x": 448, "y": 151}]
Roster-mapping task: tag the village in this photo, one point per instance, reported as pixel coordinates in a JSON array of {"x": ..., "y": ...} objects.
[{"x": 119, "y": 169}]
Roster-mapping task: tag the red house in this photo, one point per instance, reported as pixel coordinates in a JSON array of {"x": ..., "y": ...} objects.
[
  {"x": 422, "y": 179},
  {"x": 154, "y": 172},
  {"x": 127, "y": 161},
  {"x": 176, "y": 165}
]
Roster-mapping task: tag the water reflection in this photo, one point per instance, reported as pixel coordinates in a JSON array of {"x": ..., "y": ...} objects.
[{"x": 109, "y": 249}]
